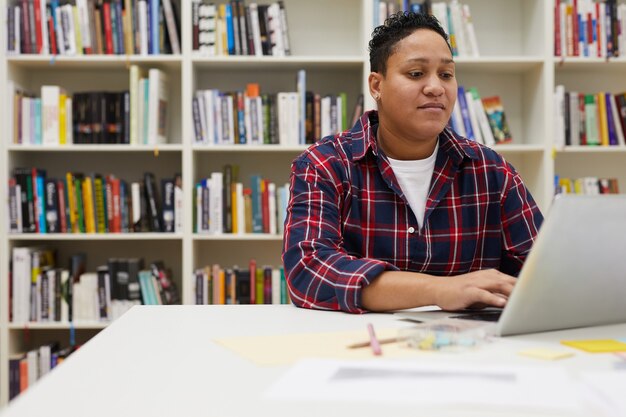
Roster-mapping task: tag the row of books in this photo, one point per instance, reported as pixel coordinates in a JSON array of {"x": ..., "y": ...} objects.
[
  {"x": 234, "y": 28},
  {"x": 137, "y": 116},
  {"x": 93, "y": 203},
  {"x": 480, "y": 119},
  {"x": 87, "y": 27},
  {"x": 454, "y": 17},
  {"x": 41, "y": 291},
  {"x": 589, "y": 28},
  {"x": 254, "y": 285},
  {"x": 27, "y": 368},
  {"x": 223, "y": 205},
  {"x": 238, "y": 117},
  {"x": 586, "y": 185},
  {"x": 589, "y": 119}
]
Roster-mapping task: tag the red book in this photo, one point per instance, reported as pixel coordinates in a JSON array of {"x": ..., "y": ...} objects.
[
  {"x": 108, "y": 34},
  {"x": 117, "y": 205},
  {"x": 557, "y": 28},
  {"x": 265, "y": 208},
  {"x": 38, "y": 27},
  {"x": 53, "y": 38},
  {"x": 61, "y": 196},
  {"x": 252, "y": 268}
]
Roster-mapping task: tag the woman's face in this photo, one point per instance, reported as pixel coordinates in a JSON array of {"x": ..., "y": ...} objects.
[{"x": 418, "y": 92}]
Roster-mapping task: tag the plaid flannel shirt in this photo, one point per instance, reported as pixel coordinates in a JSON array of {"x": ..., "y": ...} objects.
[{"x": 348, "y": 220}]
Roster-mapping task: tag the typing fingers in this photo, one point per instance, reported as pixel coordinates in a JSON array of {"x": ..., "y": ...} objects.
[{"x": 488, "y": 298}]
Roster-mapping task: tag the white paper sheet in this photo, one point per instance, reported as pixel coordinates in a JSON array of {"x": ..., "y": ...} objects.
[
  {"x": 608, "y": 390},
  {"x": 397, "y": 382}
]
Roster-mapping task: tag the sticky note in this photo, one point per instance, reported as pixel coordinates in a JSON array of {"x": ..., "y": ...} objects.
[
  {"x": 548, "y": 354},
  {"x": 597, "y": 346}
]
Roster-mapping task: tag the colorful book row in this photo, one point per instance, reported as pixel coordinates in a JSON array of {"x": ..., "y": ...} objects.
[
  {"x": 480, "y": 119},
  {"x": 92, "y": 203},
  {"x": 224, "y": 205},
  {"x": 229, "y": 118},
  {"x": 42, "y": 292},
  {"x": 587, "y": 28},
  {"x": 135, "y": 116},
  {"x": 254, "y": 285},
  {"x": 26, "y": 368},
  {"x": 234, "y": 28},
  {"x": 86, "y": 27},
  {"x": 586, "y": 185},
  {"x": 589, "y": 119}
]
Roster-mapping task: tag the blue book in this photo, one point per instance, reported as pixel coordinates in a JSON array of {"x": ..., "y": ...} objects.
[
  {"x": 609, "y": 119},
  {"x": 257, "y": 204},
  {"x": 154, "y": 27},
  {"x": 469, "y": 133},
  {"x": 241, "y": 116},
  {"x": 114, "y": 23},
  {"x": 230, "y": 32},
  {"x": 36, "y": 107},
  {"x": 120, "y": 28},
  {"x": 41, "y": 207},
  {"x": 582, "y": 35}
]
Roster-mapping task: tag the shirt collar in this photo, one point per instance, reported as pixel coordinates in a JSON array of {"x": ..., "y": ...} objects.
[{"x": 363, "y": 135}]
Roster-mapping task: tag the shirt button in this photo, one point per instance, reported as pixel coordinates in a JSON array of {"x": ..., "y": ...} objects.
[{"x": 411, "y": 229}]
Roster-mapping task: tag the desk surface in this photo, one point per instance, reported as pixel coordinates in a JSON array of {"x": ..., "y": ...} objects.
[{"x": 162, "y": 361}]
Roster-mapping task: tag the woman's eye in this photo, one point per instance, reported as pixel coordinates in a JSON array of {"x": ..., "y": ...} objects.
[{"x": 415, "y": 74}]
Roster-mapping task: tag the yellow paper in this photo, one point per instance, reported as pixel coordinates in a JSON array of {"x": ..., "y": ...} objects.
[
  {"x": 548, "y": 354},
  {"x": 289, "y": 348},
  {"x": 597, "y": 346}
]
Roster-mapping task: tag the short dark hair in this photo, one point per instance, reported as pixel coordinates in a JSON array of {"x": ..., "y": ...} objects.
[{"x": 397, "y": 27}]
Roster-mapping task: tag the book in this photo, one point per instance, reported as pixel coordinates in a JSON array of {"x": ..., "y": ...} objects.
[
  {"x": 167, "y": 189},
  {"x": 157, "y": 106},
  {"x": 497, "y": 119},
  {"x": 152, "y": 202}
]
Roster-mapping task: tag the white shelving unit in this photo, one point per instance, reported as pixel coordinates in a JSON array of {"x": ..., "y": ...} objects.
[{"x": 329, "y": 39}]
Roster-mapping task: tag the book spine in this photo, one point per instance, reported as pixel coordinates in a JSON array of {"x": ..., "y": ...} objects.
[
  {"x": 152, "y": 202},
  {"x": 167, "y": 185},
  {"x": 51, "y": 209}
]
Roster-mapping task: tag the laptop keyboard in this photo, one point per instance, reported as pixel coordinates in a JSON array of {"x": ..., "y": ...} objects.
[{"x": 481, "y": 316}]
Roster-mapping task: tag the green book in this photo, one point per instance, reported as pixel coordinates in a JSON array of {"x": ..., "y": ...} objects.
[{"x": 78, "y": 190}]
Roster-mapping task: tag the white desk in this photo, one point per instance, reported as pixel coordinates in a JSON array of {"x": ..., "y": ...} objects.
[{"x": 161, "y": 361}]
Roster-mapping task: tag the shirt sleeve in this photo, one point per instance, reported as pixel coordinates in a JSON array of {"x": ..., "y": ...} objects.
[
  {"x": 521, "y": 220},
  {"x": 319, "y": 272}
]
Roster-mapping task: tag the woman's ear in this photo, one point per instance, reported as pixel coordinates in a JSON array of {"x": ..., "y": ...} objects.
[{"x": 375, "y": 83}]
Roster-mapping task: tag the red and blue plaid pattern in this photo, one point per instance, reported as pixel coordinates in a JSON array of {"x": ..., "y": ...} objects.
[{"x": 348, "y": 220}]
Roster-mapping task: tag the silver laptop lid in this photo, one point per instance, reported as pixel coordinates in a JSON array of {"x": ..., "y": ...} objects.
[{"x": 575, "y": 274}]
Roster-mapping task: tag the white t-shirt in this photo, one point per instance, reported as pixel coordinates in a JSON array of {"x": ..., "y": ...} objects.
[{"x": 414, "y": 179}]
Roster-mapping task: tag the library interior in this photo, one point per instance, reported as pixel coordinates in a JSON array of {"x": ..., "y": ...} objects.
[{"x": 149, "y": 154}]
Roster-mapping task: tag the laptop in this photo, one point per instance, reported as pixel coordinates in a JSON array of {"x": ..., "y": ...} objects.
[{"x": 574, "y": 276}]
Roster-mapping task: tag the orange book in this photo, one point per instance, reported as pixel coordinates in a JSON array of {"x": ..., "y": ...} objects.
[
  {"x": 90, "y": 217},
  {"x": 233, "y": 207},
  {"x": 23, "y": 374}
]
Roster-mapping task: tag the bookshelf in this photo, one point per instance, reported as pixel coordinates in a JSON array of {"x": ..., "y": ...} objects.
[{"x": 516, "y": 62}]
